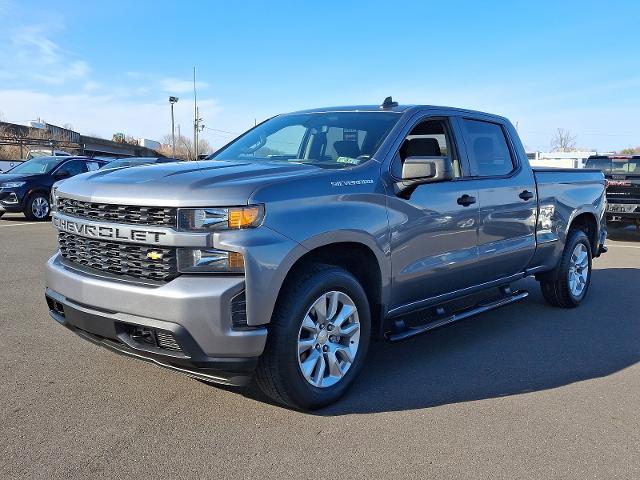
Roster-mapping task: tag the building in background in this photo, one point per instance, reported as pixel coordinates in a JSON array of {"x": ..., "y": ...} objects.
[
  {"x": 152, "y": 144},
  {"x": 16, "y": 141},
  {"x": 575, "y": 159}
]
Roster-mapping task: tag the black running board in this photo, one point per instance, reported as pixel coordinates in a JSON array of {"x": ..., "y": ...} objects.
[{"x": 409, "y": 332}]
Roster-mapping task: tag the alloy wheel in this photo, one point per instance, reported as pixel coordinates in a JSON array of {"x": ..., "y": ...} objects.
[
  {"x": 40, "y": 207},
  {"x": 578, "y": 269},
  {"x": 328, "y": 339}
]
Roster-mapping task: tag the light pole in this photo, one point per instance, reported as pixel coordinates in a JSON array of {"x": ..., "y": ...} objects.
[{"x": 172, "y": 101}]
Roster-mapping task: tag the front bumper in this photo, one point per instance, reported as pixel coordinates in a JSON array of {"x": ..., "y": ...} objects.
[
  {"x": 12, "y": 200},
  {"x": 195, "y": 311}
]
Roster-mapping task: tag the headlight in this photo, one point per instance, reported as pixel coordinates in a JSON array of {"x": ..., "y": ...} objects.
[
  {"x": 208, "y": 219},
  {"x": 54, "y": 199},
  {"x": 209, "y": 260},
  {"x": 12, "y": 184}
]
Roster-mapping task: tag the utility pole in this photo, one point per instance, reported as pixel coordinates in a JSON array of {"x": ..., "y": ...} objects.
[
  {"x": 195, "y": 116},
  {"x": 172, "y": 101}
]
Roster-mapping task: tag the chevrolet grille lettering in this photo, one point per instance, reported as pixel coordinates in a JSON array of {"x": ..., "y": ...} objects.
[{"x": 107, "y": 232}]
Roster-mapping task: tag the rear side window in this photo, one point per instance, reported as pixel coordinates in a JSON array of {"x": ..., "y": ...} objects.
[
  {"x": 487, "y": 146},
  {"x": 74, "y": 167}
]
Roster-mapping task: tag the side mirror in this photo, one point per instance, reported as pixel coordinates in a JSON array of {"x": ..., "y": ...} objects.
[
  {"x": 419, "y": 170},
  {"x": 62, "y": 174},
  {"x": 427, "y": 169}
]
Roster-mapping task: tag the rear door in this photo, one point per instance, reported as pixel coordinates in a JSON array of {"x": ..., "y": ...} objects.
[
  {"x": 506, "y": 195},
  {"x": 74, "y": 167}
]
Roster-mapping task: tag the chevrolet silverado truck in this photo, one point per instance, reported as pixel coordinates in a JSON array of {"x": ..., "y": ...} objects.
[
  {"x": 622, "y": 173},
  {"x": 278, "y": 259}
]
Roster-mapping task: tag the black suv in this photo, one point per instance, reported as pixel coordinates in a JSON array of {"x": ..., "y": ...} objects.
[
  {"x": 26, "y": 188},
  {"x": 623, "y": 187}
]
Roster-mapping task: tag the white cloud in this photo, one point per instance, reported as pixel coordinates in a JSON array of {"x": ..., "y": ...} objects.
[
  {"x": 29, "y": 54},
  {"x": 175, "y": 85},
  {"x": 104, "y": 114}
]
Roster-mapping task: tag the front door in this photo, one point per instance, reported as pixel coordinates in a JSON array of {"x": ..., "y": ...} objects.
[{"x": 434, "y": 229}]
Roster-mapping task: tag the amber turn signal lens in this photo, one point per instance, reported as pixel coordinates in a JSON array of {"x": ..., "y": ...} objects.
[
  {"x": 244, "y": 217},
  {"x": 236, "y": 261}
]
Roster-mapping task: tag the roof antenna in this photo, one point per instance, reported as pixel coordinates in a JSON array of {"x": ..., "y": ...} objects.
[{"x": 388, "y": 103}]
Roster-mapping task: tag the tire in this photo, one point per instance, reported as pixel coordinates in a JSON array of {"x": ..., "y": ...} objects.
[
  {"x": 38, "y": 207},
  {"x": 280, "y": 370},
  {"x": 1, "y": 214},
  {"x": 568, "y": 284}
]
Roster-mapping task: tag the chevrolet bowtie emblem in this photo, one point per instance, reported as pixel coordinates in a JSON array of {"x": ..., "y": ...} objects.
[{"x": 153, "y": 255}]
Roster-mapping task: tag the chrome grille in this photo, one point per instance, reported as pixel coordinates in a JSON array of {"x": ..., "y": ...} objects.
[
  {"x": 157, "y": 216},
  {"x": 119, "y": 258}
]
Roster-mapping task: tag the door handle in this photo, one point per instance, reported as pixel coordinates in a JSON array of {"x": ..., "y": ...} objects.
[
  {"x": 526, "y": 195},
  {"x": 466, "y": 200}
]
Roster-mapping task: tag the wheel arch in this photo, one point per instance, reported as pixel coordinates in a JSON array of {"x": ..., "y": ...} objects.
[
  {"x": 369, "y": 267},
  {"x": 588, "y": 223}
]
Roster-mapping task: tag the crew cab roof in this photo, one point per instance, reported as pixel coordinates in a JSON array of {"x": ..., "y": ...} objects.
[{"x": 396, "y": 109}]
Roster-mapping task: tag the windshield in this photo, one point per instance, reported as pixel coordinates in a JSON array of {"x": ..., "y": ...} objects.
[
  {"x": 328, "y": 140},
  {"x": 37, "y": 165},
  {"x": 615, "y": 165}
]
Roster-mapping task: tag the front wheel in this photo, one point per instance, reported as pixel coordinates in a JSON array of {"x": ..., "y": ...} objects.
[
  {"x": 568, "y": 284},
  {"x": 318, "y": 339},
  {"x": 37, "y": 207}
]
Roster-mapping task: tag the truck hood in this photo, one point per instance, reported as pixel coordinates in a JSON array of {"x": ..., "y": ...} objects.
[{"x": 185, "y": 184}]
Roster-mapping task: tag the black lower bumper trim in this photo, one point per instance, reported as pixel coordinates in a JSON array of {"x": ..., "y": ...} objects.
[
  {"x": 105, "y": 332},
  {"x": 226, "y": 371}
]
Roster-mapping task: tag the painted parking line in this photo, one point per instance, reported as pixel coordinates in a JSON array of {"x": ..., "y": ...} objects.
[{"x": 19, "y": 224}]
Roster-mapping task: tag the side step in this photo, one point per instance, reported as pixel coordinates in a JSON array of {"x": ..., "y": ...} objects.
[{"x": 408, "y": 332}]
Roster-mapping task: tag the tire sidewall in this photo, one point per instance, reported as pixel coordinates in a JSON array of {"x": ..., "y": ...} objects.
[{"x": 336, "y": 279}]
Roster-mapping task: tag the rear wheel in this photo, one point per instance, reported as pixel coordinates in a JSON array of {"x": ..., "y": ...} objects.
[
  {"x": 568, "y": 284},
  {"x": 37, "y": 207},
  {"x": 318, "y": 339}
]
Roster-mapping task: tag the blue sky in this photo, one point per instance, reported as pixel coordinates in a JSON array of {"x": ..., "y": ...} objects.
[{"x": 108, "y": 67}]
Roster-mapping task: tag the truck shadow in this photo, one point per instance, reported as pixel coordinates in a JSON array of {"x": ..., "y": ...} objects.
[
  {"x": 628, "y": 234},
  {"x": 522, "y": 348}
]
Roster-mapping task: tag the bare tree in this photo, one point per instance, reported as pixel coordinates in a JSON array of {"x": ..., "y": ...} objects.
[
  {"x": 18, "y": 142},
  {"x": 630, "y": 151},
  {"x": 184, "y": 147},
  {"x": 563, "y": 141},
  {"x": 9, "y": 152}
]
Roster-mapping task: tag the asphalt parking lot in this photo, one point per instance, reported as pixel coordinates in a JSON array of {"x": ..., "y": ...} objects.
[{"x": 527, "y": 391}]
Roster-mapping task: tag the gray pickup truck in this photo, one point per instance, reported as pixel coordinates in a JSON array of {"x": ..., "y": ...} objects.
[{"x": 280, "y": 257}]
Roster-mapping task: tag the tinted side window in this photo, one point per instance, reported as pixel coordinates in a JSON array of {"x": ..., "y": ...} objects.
[
  {"x": 487, "y": 147},
  {"x": 429, "y": 138},
  {"x": 75, "y": 167}
]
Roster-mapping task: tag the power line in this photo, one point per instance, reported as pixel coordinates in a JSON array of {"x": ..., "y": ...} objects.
[{"x": 223, "y": 131}]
